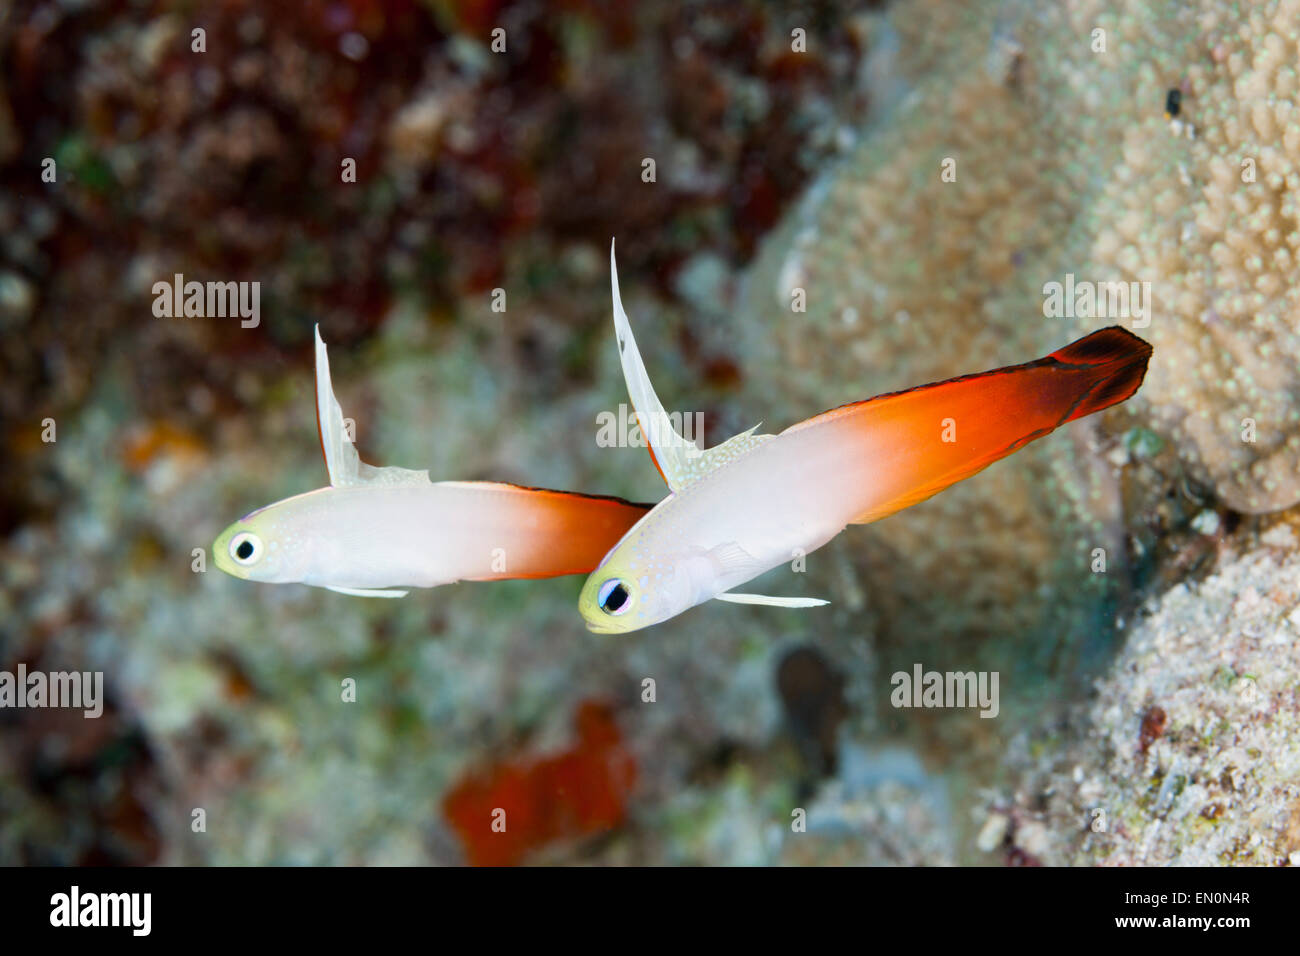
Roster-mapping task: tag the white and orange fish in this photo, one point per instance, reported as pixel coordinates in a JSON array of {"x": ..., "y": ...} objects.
[
  {"x": 374, "y": 531},
  {"x": 757, "y": 501}
]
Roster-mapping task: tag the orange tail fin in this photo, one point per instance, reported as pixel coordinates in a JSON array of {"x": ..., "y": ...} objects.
[
  {"x": 1119, "y": 359},
  {"x": 913, "y": 444}
]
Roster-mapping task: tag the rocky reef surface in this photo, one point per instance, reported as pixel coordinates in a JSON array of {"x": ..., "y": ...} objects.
[{"x": 1189, "y": 752}]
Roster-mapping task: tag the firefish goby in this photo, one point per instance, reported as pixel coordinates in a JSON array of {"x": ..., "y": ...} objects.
[
  {"x": 374, "y": 531},
  {"x": 757, "y": 501}
]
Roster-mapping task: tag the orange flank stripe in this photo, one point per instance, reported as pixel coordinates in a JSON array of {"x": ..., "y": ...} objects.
[
  {"x": 984, "y": 417},
  {"x": 654, "y": 459},
  {"x": 649, "y": 446}
]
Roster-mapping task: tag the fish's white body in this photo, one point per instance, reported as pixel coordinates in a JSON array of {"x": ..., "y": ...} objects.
[
  {"x": 758, "y": 501},
  {"x": 746, "y": 517},
  {"x": 375, "y": 531},
  {"x": 391, "y": 536}
]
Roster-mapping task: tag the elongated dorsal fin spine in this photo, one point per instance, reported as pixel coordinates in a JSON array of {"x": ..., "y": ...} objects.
[
  {"x": 344, "y": 465},
  {"x": 680, "y": 461}
]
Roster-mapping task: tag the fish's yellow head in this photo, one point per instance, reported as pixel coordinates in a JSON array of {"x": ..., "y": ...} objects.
[
  {"x": 626, "y": 593},
  {"x": 252, "y": 549},
  {"x": 612, "y": 601}
]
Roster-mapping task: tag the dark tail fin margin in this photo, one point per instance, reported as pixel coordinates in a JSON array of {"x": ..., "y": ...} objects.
[{"x": 1117, "y": 357}]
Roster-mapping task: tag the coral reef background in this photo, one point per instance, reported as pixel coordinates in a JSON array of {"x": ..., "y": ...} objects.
[{"x": 1161, "y": 692}]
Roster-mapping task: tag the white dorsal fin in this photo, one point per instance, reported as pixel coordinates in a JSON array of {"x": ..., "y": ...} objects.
[
  {"x": 340, "y": 456},
  {"x": 679, "y": 459},
  {"x": 736, "y": 598},
  {"x": 367, "y": 592},
  {"x": 341, "y": 460}
]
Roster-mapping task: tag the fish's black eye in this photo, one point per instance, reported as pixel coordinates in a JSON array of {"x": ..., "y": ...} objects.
[
  {"x": 613, "y": 597},
  {"x": 246, "y": 548}
]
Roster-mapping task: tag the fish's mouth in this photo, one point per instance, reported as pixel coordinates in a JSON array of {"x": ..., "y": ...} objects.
[{"x": 598, "y": 628}]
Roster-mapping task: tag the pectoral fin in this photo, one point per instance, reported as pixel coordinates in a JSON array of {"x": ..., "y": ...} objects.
[
  {"x": 680, "y": 461},
  {"x": 735, "y": 598},
  {"x": 367, "y": 592},
  {"x": 731, "y": 561}
]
